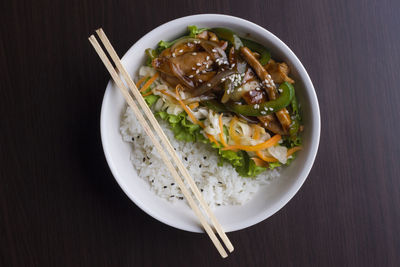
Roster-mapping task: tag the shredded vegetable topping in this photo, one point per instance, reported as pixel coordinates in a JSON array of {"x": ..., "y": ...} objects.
[
  {"x": 216, "y": 87},
  {"x": 149, "y": 82},
  {"x": 270, "y": 142}
]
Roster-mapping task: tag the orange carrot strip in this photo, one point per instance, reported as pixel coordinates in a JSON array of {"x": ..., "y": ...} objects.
[
  {"x": 188, "y": 111},
  {"x": 256, "y": 134},
  {"x": 221, "y": 134},
  {"x": 148, "y": 93},
  {"x": 270, "y": 142},
  {"x": 212, "y": 139},
  {"x": 265, "y": 158},
  {"x": 164, "y": 92},
  {"x": 194, "y": 105},
  {"x": 141, "y": 81},
  {"x": 259, "y": 162},
  {"x": 149, "y": 82},
  {"x": 293, "y": 150}
]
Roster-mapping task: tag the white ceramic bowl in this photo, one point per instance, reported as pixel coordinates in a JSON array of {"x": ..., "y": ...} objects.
[{"x": 270, "y": 198}]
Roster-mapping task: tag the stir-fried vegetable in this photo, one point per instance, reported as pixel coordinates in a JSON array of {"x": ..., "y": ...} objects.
[
  {"x": 193, "y": 30},
  {"x": 265, "y": 55},
  {"x": 226, "y": 90},
  {"x": 295, "y": 126},
  {"x": 228, "y": 35},
  {"x": 267, "y": 107}
]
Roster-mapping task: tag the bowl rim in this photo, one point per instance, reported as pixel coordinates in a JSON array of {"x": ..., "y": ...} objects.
[{"x": 308, "y": 86}]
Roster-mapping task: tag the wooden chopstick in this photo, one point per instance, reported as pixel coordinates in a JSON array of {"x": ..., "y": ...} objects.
[
  {"x": 149, "y": 132},
  {"x": 163, "y": 138}
]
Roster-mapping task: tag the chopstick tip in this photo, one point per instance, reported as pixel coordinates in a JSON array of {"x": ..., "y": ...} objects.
[{"x": 99, "y": 30}]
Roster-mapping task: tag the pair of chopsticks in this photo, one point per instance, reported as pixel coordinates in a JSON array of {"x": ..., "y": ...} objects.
[{"x": 170, "y": 150}]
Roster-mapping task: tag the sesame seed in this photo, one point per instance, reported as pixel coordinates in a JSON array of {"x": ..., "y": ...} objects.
[
  {"x": 173, "y": 55},
  {"x": 180, "y": 51},
  {"x": 204, "y": 63},
  {"x": 280, "y": 90},
  {"x": 194, "y": 53},
  {"x": 207, "y": 66},
  {"x": 197, "y": 71},
  {"x": 165, "y": 186},
  {"x": 203, "y": 71},
  {"x": 214, "y": 50},
  {"x": 200, "y": 80},
  {"x": 209, "y": 84},
  {"x": 263, "y": 112},
  {"x": 269, "y": 76},
  {"x": 172, "y": 183},
  {"x": 233, "y": 65},
  {"x": 186, "y": 158},
  {"x": 189, "y": 44},
  {"x": 190, "y": 76},
  {"x": 198, "y": 64},
  {"x": 207, "y": 58},
  {"x": 223, "y": 80},
  {"x": 193, "y": 68}
]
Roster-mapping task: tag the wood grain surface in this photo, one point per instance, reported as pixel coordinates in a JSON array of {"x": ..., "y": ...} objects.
[{"x": 60, "y": 205}]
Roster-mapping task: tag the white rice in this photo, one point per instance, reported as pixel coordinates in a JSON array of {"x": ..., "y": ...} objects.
[{"x": 219, "y": 185}]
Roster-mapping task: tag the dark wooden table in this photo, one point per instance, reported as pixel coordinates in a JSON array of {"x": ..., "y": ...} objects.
[{"x": 60, "y": 205}]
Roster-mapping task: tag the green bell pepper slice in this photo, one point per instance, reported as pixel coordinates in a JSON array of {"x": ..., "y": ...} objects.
[
  {"x": 294, "y": 128},
  {"x": 265, "y": 55},
  {"x": 228, "y": 35},
  {"x": 265, "y": 108},
  {"x": 215, "y": 105}
]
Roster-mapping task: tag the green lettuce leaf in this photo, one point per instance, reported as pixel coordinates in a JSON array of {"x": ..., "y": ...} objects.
[
  {"x": 164, "y": 45},
  {"x": 183, "y": 129},
  {"x": 241, "y": 161},
  {"x": 151, "y": 99},
  {"x": 193, "y": 30},
  {"x": 273, "y": 165}
]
